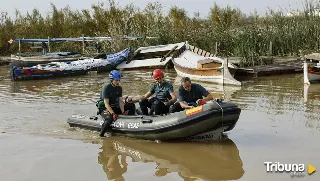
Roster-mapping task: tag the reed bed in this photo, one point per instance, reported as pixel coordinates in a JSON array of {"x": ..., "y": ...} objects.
[{"x": 236, "y": 34}]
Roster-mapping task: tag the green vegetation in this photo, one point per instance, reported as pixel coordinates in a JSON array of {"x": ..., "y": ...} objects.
[{"x": 237, "y": 34}]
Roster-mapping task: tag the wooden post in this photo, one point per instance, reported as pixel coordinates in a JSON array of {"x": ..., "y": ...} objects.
[
  {"x": 270, "y": 48},
  {"x": 216, "y": 49},
  {"x": 223, "y": 70},
  {"x": 19, "y": 48},
  {"x": 48, "y": 44},
  {"x": 252, "y": 58},
  {"x": 305, "y": 71},
  {"x": 82, "y": 43}
]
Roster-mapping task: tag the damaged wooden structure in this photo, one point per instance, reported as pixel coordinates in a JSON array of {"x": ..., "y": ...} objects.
[
  {"x": 158, "y": 56},
  {"x": 186, "y": 59}
]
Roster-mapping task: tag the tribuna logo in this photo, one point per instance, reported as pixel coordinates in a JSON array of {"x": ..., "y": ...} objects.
[{"x": 293, "y": 169}]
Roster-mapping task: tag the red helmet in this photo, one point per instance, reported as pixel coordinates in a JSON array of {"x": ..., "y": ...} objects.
[{"x": 157, "y": 73}]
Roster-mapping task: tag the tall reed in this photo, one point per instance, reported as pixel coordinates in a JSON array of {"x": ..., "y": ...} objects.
[{"x": 237, "y": 34}]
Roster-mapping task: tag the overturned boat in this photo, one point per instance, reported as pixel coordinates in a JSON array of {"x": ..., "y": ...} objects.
[
  {"x": 63, "y": 69},
  {"x": 199, "y": 123},
  {"x": 161, "y": 56},
  {"x": 158, "y": 56}
]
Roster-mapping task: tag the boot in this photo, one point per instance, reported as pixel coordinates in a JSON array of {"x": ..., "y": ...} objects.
[
  {"x": 103, "y": 129},
  {"x": 105, "y": 126}
]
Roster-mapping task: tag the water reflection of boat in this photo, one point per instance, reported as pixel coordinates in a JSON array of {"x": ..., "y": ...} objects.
[
  {"x": 40, "y": 86},
  {"x": 111, "y": 163},
  {"x": 214, "y": 161}
]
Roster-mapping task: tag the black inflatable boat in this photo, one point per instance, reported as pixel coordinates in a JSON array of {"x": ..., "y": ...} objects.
[{"x": 198, "y": 123}]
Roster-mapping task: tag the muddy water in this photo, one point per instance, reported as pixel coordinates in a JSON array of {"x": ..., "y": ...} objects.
[{"x": 279, "y": 122}]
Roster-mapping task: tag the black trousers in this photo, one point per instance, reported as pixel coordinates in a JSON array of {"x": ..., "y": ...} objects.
[
  {"x": 176, "y": 107},
  {"x": 155, "y": 105},
  {"x": 108, "y": 119}
]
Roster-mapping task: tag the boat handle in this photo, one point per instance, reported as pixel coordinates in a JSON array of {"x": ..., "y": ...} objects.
[{"x": 147, "y": 121}]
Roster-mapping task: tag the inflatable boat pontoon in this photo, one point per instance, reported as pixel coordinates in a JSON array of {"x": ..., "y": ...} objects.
[{"x": 201, "y": 122}]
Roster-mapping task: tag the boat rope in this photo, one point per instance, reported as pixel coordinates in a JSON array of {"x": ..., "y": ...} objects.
[
  {"x": 221, "y": 116},
  {"x": 5, "y": 77}
]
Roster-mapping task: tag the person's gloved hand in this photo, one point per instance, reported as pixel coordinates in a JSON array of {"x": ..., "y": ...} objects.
[
  {"x": 114, "y": 116},
  {"x": 125, "y": 112},
  {"x": 201, "y": 102}
]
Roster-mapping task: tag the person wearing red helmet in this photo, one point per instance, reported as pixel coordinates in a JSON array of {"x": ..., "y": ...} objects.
[{"x": 163, "y": 99}]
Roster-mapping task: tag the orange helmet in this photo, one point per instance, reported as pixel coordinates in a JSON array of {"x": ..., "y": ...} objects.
[{"x": 157, "y": 74}]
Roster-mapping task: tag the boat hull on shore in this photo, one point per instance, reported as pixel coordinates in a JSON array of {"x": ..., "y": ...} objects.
[
  {"x": 28, "y": 61},
  {"x": 314, "y": 73},
  {"x": 63, "y": 69},
  {"x": 218, "y": 72},
  {"x": 21, "y": 74}
]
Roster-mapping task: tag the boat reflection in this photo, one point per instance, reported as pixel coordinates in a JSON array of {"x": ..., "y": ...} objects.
[
  {"x": 111, "y": 163},
  {"x": 218, "y": 160}
]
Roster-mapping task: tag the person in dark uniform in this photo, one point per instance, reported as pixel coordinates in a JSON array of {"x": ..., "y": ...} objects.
[
  {"x": 44, "y": 48},
  {"x": 98, "y": 47},
  {"x": 164, "y": 96},
  {"x": 111, "y": 102},
  {"x": 190, "y": 95}
]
